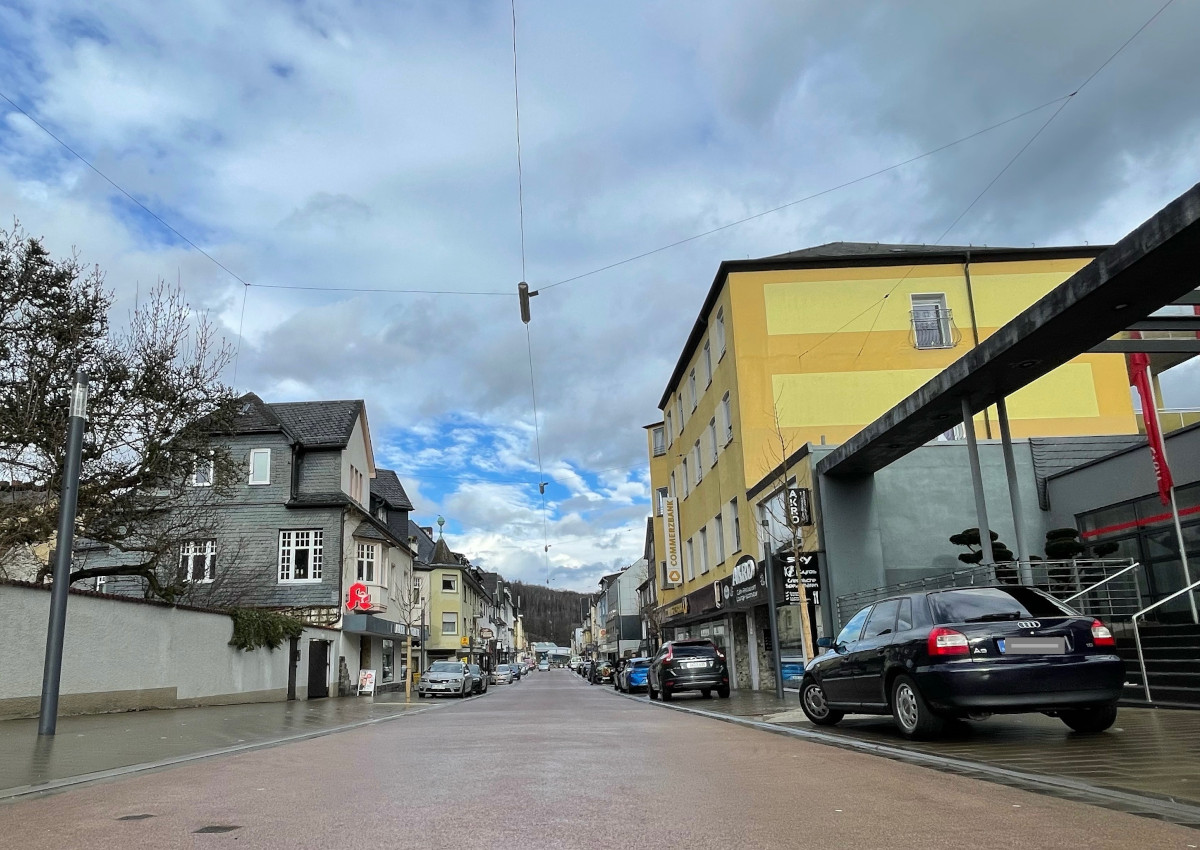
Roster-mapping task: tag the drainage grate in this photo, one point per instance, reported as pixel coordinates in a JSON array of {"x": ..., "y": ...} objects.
[
  {"x": 135, "y": 817},
  {"x": 210, "y": 829}
]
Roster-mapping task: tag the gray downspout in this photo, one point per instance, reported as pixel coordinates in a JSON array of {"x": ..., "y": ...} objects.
[{"x": 987, "y": 423}]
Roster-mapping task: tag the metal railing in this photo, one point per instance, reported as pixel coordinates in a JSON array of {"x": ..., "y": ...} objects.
[
  {"x": 1137, "y": 636},
  {"x": 1104, "y": 588}
]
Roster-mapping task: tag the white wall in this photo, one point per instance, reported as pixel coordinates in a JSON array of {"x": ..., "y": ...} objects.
[{"x": 123, "y": 654}]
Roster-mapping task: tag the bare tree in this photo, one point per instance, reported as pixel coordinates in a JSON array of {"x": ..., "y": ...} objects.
[{"x": 154, "y": 471}]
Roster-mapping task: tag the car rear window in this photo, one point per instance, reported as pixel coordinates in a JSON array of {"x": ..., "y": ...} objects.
[
  {"x": 701, "y": 649},
  {"x": 641, "y": 662},
  {"x": 986, "y": 603}
]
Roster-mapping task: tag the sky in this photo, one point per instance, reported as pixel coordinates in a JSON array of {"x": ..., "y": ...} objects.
[{"x": 373, "y": 146}]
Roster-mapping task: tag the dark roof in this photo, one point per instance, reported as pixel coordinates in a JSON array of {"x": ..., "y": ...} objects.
[
  {"x": 424, "y": 542},
  {"x": 388, "y": 487},
  {"x": 320, "y": 424},
  {"x": 850, "y": 254},
  {"x": 251, "y": 415},
  {"x": 367, "y": 531},
  {"x": 490, "y": 580},
  {"x": 320, "y": 500},
  {"x": 442, "y": 556}
]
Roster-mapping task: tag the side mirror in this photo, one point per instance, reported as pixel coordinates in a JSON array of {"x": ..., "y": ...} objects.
[{"x": 825, "y": 642}]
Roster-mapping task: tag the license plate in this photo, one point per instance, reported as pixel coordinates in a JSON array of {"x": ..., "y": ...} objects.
[
  {"x": 1033, "y": 645},
  {"x": 695, "y": 664}
]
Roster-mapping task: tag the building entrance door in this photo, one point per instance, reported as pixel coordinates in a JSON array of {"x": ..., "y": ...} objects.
[{"x": 318, "y": 669}]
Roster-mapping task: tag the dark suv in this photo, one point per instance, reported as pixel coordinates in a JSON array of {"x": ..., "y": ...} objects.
[{"x": 688, "y": 665}]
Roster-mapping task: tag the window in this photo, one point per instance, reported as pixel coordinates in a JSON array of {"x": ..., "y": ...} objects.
[
  {"x": 904, "y": 621},
  {"x": 671, "y": 491},
  {"x": 356, "y": 484},
  {"x": 300, "y": 555},
  {"x": 726, "y": 418},
  {"x": 853, "y": 629},
  {"x": 670, "y": 429},
  {"x": 204, "y": 473},
  {"x": 679, "y": 408},
  {"x": 366, "y": 562},
  {"x": 450, "y": 623},
  {"x": 691, "y": 560},
  {"x": 696, "y": 461},
  {"x": 719, "y": 333},
  {"x": 661, "y": 501},
  {"x": 692, "y": 388},
  {"x": 931, "y": 321},
  {"x": 260, "y": 466},
  {"x": 704, "y": 550},
  {"x": 719, "y": 527},
  {"x": 449, "y": 584},
  {"x": 660, "y": 442},
  {"x": 197, "y": 561},
  {"x": 100, "y": 580},
  {"x": 416, "y": 593},
  {"x": 883, "y": 620},
  {"x": 665, "y": 583},
  {"x": 707, "y": 364},
  {"x": 712, "y": 440},
  {"x": 685, "y": 478},
  {"x": 736, "y": 525}
]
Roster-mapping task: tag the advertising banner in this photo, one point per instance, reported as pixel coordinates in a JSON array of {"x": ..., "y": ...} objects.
[{"x": 674, "y": 554}]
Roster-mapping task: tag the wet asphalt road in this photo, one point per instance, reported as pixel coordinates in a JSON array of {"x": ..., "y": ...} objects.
[{"x": 551, "y": 762}]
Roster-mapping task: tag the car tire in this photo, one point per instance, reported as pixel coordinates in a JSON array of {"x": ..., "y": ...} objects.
[
  {"x": 723, "y": 692},
  {"x": 914, "y": 718},
  {"x": 666, "y": 695},
  {"x": 1090, "y": 721},
  {"x": 706, "y": 693},
  {"x": 815, "y": 707},
  {"x": 650, "y": 692}
]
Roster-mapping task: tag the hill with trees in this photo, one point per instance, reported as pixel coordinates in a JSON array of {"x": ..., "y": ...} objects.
[{"x": 550, "y": 614}]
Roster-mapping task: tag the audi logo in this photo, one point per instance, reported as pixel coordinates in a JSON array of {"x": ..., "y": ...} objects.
[{"x": 1028, "y": 624}]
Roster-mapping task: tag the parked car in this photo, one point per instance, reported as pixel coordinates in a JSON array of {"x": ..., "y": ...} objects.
[
  {"x": 967, "y": 653},
  {"x": 543, "y": 666},
  {"x": 688, "y": 665},
  {"x": 575, "y": 663},
  {"x": 602, "y": 673},
  {"x": 517, "y": 672},
  {"x": 479, "y": 679},
  {"x": 633, "y": 675},
  {"x": 502, "y": 675},
  {"x": 446, "y": 678}
]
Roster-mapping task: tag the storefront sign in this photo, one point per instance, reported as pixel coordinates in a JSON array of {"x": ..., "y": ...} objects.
[
  {"x": 799, "y": 506},
  {"x": 742, "y": 595},
  {"x": 676, "y": 609},
  {"x": 486, "y": 634},
  {"x": 359, "y": 598},
  {"x": 792, "y": 571},
  {"x": 674, "y": 556},
  {"x": 745, "y": 570},
  {"x": 464, "y": 641}
]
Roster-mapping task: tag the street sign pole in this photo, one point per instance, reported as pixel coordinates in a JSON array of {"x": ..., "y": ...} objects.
[{"x": 67, "y": 502}]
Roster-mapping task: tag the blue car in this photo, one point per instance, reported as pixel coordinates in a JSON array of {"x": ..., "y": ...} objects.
[{"x": 633, "y": 675}]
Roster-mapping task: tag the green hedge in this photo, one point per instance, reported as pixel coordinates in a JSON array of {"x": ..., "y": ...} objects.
[{"x": 254, "y": 629}]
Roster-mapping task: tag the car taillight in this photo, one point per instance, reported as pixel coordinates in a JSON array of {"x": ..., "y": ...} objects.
[
  {"x": 720, "y": 655},
  {"x": 670, "y": 655},
  {"x": 943, "y": 641},
  {"x": 1101, "y": 636}
]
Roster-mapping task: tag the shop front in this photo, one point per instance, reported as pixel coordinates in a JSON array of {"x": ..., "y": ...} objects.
[{"x": 702, "y": 615}]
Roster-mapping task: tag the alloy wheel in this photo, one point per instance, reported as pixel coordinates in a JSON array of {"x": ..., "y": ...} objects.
[
  {"x": 907, "y": 711},
  {"x": 814, "y": 701}
]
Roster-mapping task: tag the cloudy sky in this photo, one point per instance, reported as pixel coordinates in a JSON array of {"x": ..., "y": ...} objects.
[{"x": 371, "y": 146}]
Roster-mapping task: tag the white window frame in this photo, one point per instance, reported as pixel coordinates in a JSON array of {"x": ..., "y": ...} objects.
[
  {"x": 192, "y": 549},
  {"x": 727, "y": 418},
  {"x": 692, "y": 389},
  {"x": 660, "y": 502},
  {"x": 255, "y": 453},
  {"x": 696, "y": 457},
  {"x": 690, "y": 560},
  {"x": 449, "y": 618},
  {"x": 719, "y": 330},
  {"x": 707, "y": 365},
  {"x": 719, "y": 527},
  {"x": 659, "y": 439},
  {"x": 703, "y": 544},
  {"x": 368, "y": 554},
  {"x": 212, "y": 472},
  {"x": 453, "y": 584},
  {"x": 712, "y": 439},
  {"x": 735, "y": 525},
  {"x": 290, "y": 543}
]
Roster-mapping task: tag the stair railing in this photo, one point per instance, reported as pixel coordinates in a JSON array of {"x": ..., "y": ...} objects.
[
  {"x": 1137, "y": 637},
  {"x": 1099, "y": 584}
]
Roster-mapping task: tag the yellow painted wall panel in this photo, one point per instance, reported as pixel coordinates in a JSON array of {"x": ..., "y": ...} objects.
[
  {"x": 1068, "y": 392},
  {"x": 812, "y": 400}
]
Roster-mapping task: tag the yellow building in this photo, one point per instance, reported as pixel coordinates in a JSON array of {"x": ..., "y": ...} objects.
[
  {"x": 811, "y": 347},
  {"x": 457, "y": 605}
]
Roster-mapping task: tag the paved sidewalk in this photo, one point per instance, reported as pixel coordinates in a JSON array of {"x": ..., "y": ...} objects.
[
  {"x": 102, "y": 743},
  {"x": 1151, "y": 753}
]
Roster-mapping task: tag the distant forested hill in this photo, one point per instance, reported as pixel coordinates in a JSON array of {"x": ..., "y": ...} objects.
[{"x": 550, "y": 614}]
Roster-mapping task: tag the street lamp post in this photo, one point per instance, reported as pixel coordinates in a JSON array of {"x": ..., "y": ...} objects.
[{"x": 67, "y": 503}]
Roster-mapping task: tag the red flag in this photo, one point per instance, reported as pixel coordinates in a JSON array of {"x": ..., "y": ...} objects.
[{"x": 1139, "y": 374}]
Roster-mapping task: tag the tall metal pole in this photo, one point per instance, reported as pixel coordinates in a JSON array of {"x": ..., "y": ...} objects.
[
  {"x": 985, "y": 531},
  {"x": 1014, "y": 492},
  {"x": 67, "y": 503}
]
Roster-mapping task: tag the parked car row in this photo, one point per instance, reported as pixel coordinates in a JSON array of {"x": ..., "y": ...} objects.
[{"x": 459, "y": 679}]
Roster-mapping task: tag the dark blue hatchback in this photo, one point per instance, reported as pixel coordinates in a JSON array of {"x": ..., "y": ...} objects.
[
  {"x": 967, "y": 653},
  {"x": 632, "y": 676}
]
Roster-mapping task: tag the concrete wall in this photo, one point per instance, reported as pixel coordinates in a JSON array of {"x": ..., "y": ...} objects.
[
  {"x": 122, "y": 655},
  {"x": 895, "y": 525}
]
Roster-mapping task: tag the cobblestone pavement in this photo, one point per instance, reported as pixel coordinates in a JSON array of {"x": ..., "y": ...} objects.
[
  {"x": 1150, "y": 752},
  {"x": 554, "y": 763},
  {"x": 107, "y": 742}
]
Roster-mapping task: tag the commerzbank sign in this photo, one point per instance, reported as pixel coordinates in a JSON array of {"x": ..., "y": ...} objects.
[{"x": 674, "y": 557}]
